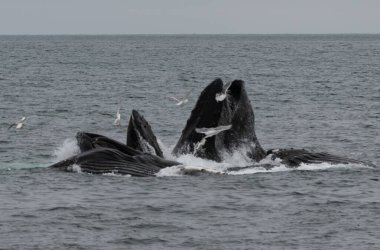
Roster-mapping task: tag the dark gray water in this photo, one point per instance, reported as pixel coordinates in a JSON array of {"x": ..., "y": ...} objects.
[{"x": 320, "y": 92}]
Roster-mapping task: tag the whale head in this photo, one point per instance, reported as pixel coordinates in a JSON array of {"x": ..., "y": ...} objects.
[
  {"x": 140, "y": 135},
  {"x": 210, "y": 112}
]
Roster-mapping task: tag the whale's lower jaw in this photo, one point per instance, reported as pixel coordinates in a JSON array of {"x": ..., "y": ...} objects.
[{"x": 103, "y": 160}]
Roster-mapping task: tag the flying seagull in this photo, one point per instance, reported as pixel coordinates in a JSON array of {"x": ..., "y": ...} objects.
[
  {"x": 118, "y": 116},
  {"x": 180, "y": 101},
  {"x": 209, "y": 132},
  {"x": 19, "y": 124}
]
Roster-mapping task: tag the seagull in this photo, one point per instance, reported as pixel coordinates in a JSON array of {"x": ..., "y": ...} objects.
[
  {"x": 212, "y": 131},
  {"x": 222, "y": 95},
  {"x": 179, "y": 101},
  {"x": 118, "y": 116},
  {"x": 209, "y": 132},
  {"x": 19, "y": 124}
]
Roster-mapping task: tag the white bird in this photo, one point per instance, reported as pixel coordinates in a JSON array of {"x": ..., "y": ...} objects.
[
  {"x": 118, "y": 117},
  {"x": 209, "y": 132},
  {"x": 222, "y": 95},
  {"x": 180, "y": 101},
  {"x": 212, "y": 131},
  {"x": 19, "y": 124}
]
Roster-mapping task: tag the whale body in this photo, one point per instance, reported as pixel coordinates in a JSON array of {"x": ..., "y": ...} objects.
[
  {"x": 216, "y": 126},
  {"x": 100, "y": 155},
  {"x": 234, "y": 110}
]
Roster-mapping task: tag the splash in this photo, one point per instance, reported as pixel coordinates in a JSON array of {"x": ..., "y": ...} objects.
[
  {"x": 192, "y": 165},
  {"x": 75, "y": 168},
  {"x": 116, "y": 174},
  {"x": 68, "y": 148},
  {"x": 166, "y": 151},
  {"x": 238, "y": 163}
]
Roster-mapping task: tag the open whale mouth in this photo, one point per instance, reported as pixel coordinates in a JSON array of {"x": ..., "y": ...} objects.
[
  {"x": 140, "y": 135},
  {"x": 234, "y": 94},
  {"x": 211, "y": 112},
  {"x": 85, "y": 141}
]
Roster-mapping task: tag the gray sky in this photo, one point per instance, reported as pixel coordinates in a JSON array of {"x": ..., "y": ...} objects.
[{"x": 188, "y": 16}]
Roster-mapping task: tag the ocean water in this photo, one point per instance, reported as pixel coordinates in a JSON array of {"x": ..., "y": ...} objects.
[{"x": 319, "y": 92}]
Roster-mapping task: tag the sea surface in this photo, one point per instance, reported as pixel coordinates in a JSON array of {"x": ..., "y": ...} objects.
[{"x": 319, "y": 92}]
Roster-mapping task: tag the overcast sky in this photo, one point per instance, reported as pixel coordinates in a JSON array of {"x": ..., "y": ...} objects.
[{"x": 188, "y": 16}]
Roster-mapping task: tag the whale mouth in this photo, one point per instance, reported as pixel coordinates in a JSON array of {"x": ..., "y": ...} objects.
[
  {"x": 136, "y": 119},
  {"x": 135, "y": 130},
  {"x": 85, "y": 141},
  {"x": 234, "y": 94},
  {"x": 140, "y": 135},
  {"x": 209, "y": 112},
  {"x": 235, "y": 89}
]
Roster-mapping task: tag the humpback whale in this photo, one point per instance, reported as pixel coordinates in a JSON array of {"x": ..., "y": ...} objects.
[
  {"x": 100, "y": 154},
  {"x": 141, "y": 156},
  {"x": 109, "y": 160},
  {"x": 216, "y": 125},
  {"x": 234, "y": 110},
  {"x": 140, "y": 135},
  {"x": 294, "y": 157}
]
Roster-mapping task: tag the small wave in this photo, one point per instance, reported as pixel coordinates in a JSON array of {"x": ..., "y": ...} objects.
[
  {"x": 181, "y": 170},
  {"x": 21, "y": 165},
  {"x": 62, "y": 208}
]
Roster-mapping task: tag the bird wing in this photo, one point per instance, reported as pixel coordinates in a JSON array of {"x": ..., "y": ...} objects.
[
  {"x": 173, "y": 98},
  {"x": 212, "y": 131},
  {"x": 11, "y": 125}
]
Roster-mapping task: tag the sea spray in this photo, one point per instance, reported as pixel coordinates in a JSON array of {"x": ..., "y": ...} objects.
[{"x": 68, "y": 148}]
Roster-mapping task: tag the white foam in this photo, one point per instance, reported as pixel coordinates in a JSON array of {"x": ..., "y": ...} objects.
[
  {"x": 67, "y": 149},
  {"x": 326, "y": 165},
  {"x": 268, "y": 160},
  {"x": 302, "y": 167},
  {"x": 255, "y": 170},
  {"x": 116, "y": 174},
  {"x": 239, "y": 159},
  {"x": 170, "y": 171},
  {"x": 166, "y": 151},
  {"x": 74, "y": 168},
  {"x": 190, "y": 163},
  {"x": 193, "y": 163}
]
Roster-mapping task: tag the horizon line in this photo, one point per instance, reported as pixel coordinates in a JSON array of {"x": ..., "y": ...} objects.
[{"x": 179, "y": 34}]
